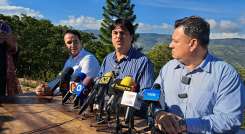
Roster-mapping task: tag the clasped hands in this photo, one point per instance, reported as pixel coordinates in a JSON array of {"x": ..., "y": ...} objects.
[{"x": 169, "y": 123}]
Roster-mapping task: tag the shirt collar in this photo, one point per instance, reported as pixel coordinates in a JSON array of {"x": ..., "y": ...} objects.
[
  {"x": 79, "y": 54},
  {"x": 205, "y": 64},
  {"x": 126, "y": 57}
]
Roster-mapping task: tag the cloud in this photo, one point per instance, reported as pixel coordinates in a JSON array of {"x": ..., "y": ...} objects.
[
  {"x": 17, "y": 10},
  {"x": 212, "y": 23},
  {"x": 225, "y": 29},
  {"x": 226, "y": 35},
  {"x": 224, "y": 26},
  {"x": 7, "y": 9},
  {"x": 228, "y": 26},
  {"x": 82, "y": 22},
  {"x": 3, "y": 2},
  {"x": 86, "y": 22},
  {"x": 242, "y": 21},
  {"x": 148, "y": 28}
]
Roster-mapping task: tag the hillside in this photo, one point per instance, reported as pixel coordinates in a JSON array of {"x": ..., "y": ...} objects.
[{"x": 231, "y": 50}]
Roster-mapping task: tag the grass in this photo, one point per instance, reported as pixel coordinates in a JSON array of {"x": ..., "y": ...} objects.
[{"x": 28, "y": 85}]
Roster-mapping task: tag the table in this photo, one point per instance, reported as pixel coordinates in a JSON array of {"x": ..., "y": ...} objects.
[{"x": 28, "y": 114}]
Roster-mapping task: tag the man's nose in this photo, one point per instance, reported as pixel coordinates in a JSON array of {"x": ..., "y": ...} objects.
[
  {"x": 119, "y": 35},
  {"x": 74, "y": 44},
  {"x": 170, "y": 45}
]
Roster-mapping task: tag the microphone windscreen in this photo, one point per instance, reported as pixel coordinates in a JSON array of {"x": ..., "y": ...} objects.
[
  {"x": 105, "y": 79},
  {"x": 69, "y": 70},
  {"x": 126, "y": 84},
  {"x": 80, "y": 76},
  {"x": 127, "y": 81}
]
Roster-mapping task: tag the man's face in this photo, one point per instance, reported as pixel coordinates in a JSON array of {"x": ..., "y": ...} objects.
[
  {"x": 72, "y": 43},
  {"x": 121, "y": 39},
  {"x": 180, "y": 45}
]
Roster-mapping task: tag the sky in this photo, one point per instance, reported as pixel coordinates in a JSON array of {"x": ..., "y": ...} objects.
[{"x": 226, "y": 17}]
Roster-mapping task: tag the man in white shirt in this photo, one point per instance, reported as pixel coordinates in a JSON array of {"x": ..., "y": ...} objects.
[{"x": 80, "y": 60}]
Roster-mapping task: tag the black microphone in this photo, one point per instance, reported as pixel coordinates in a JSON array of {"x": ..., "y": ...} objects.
[
  {"x": 65, "y": 80},
  {"x": 99, "y": 89},
  {"x": 186, "y": 80},
  {"x": 53, "y": 84},
  {"x": 104, "y": 83}
]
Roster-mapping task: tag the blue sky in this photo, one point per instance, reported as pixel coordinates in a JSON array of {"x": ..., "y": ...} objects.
[{"x": 226, "y": 17}]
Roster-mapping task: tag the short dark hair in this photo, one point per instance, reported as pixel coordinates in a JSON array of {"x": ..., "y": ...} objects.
[
  {"x": 125, "y": 23},
  {"x": 75, "y": 32},
  {"x": 195, "y": 27}
]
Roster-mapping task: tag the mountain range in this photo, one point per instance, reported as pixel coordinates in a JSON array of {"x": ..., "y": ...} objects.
[{"x": 229, "y": 49}]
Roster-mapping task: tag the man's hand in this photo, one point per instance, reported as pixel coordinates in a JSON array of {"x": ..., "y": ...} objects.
[
  {"x": 169, "y": 123},
  {"x": 43, "y": 90}
]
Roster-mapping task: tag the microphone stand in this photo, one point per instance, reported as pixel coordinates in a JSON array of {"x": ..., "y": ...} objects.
[
  {"x": 118, "y": 125},
  {"x": 130, "y": 112},
  {"x": 151, "y": 118}
]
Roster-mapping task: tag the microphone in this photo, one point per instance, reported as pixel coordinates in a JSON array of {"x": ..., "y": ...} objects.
[
  {"x": 121, "y": 85},
  {"x": 53, "y": 84},
  {"x": 80, "y": 94},
  {"x": 151, "y": 97},
  {"x": 79, "y": 77},
  {"x": 104, "y": 82},
  {"x": 153, "y": 94},
  {"x": 130, "y": 96},
  {"x": 65, "y": 80},
  {"x": 126, "y": 84},
  {"x": 185, "y": 80},
  {"x": 99, "y": 89},
  {"x": 129, "y": 88}
]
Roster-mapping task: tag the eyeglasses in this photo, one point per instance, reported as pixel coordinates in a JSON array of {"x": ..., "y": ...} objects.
[{"x": 74, "y": 42}]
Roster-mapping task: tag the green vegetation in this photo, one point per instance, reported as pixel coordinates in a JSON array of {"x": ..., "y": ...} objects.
[
  {"x": 113, "y": 10},
  {"x": 159, "y": 55},
  {"x": 230, "y": 53},
  {"x": 42, "y": 52}
]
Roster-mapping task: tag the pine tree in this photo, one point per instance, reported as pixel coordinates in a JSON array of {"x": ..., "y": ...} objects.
[{"x": 113, "y": 10}]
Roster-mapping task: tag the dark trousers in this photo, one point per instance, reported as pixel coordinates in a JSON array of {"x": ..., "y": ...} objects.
[{"x": 3, "y": 70}]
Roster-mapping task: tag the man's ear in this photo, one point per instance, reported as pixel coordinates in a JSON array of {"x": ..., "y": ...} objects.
[{"x": 193, "y": 44}]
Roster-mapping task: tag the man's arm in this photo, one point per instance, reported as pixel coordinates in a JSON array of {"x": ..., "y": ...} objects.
[
  {"x": 146, "y": 75},
  {"x": 227, "y": 112}
]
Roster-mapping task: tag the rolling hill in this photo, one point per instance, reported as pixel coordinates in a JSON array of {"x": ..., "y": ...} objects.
[{"x": 231, "y": 50}]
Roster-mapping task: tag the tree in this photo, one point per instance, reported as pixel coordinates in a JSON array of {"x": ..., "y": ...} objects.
[
  {"x": 113, "y": 10},
  {"x": 159, "y": 55},
  {"x": 42, "y": 52}
]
